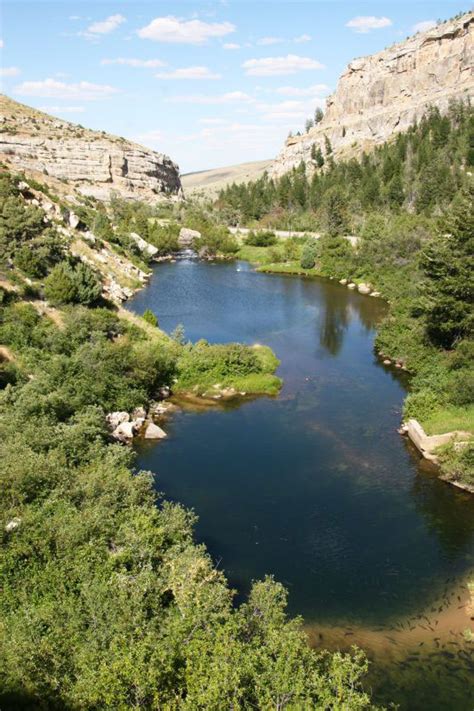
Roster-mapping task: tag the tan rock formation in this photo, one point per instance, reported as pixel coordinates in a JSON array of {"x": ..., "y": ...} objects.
[
  {"x": 381, "y": 95},
  {"x": 93, "y": 162}
]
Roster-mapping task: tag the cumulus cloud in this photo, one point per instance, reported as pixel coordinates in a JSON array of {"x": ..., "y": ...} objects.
[
  {"x": 131, "y": 62},
  {"x": 231, "y": 45},
  {"x": 173, "y": 29},
  {"x": 63, "y": 109},
  {"x": 105, "y": 26},
  {"x": 229, "y": 97},
  {"x": 424, "y": 26},
  {"x": 289, "y": 110},
  {"x": 1, "y": 44},
  {"x": 302, "y": 38},
  {"x": 265, "y": 41},
  {"x": 313, "y": 90},
  {"x": 52, "y": 89},
  {"x": 363, "y": 24},
  {"x": 279, "y": 66},
  {"x": 9, "y": 71},
  {"x": 189, "y": 73}
]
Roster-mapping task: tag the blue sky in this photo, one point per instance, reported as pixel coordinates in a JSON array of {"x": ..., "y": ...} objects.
[{"x": 208, "y": 83}]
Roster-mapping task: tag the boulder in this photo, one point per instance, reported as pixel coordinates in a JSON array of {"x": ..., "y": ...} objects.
[
  {"x": 114, "y": 419},
  {"x": 364, "y": 289},
  {"x": 139, "y": 413},
  {"x": 351, "y": 286},
  {"x": 73, "y": 220},
  {"x": 152, "y": 431},
  {"x": 186, "y": 237},
  {"x": 12, "y": 525},
  {"x": 387, "y": 362},
  {"x": 343, "y": 282},
  {"x": 143, "y": 245},
  {"x": 376, "y": 294},
  {"x": 164, "y": 392},
  {"x": 125, "y": 430}
]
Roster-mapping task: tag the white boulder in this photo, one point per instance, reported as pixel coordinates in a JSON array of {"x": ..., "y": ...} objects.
[
  {"x": 154, "y": 432},
  {"x": 114, "y": 419}
]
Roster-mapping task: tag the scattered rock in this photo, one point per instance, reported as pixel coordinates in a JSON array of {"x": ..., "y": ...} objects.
[
  {"x": 12, "y": 525},
  {"x": 114, "y": 419},
  {"x": 139, "y": 413},
  {"x": 376, "y": 294},
  {"x": 352, "y": 286},
  {"x": 343, "y": 282},
  {"x": 125, "y": 430},
  {"x": 364, "y": 289},
  {"x": 73, "y": 220},
  {"x": 387, "y": 361},
  {"x": 186, "y": 237},
  {"x": 152, "y": 431},
  {"x": 143, "y": 245},
  {"x": 164, "y": 392}
]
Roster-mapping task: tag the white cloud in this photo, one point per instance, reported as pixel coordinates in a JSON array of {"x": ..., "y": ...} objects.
[
  {"x": 62, "y": 109},
  {"x": 313, "y": 90},
  {"x": 9, "y": 71},
  {"x": 2, "y": 44},
  {"x": 279, "y": 66},
  {"x": 229, "y": 97},
  {"x": 424, "y": 26},
  {"x": 213, "y": 121},
  {"x": 52, "y": 89},
  {"x": 189, "y": 73},
  {"x": 150, "y": 137},
  {"x": 231, "y": 45},
  {"x": 265, "y": 41},
  {"x": 363, "y": 24},
  {"x": 105, "y": 26},
  {"x": 302, "y": 38},
  {"x": 290, "y": 110},
  {"x": 173, "y": 29},
  {"x": 131, "y": 62}
]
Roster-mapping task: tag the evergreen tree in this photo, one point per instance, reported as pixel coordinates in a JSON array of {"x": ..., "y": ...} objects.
[{"x": 448, "y": 265}]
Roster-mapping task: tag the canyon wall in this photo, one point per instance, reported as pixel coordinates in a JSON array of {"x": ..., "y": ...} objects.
[
  {"x": 92, "y": 162},
  {"x": 381, "y": 95}
]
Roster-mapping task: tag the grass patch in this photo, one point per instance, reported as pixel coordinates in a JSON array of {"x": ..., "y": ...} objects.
[{"x": 448, "y": 419}]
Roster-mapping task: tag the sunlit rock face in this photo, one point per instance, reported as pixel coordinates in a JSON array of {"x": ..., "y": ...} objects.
[
  {"x": 93, "y": 162},
  {"x": 380, "y": 95}
]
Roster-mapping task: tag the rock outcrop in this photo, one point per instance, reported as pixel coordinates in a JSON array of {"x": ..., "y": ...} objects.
[
  {"x": 383, "y": 94},
  {"x": 93, "y": 162}
]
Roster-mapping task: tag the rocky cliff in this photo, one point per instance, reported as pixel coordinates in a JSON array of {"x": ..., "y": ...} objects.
[
  {"x": 380, "y": 95},
  {"x": 92, "y": 162}
]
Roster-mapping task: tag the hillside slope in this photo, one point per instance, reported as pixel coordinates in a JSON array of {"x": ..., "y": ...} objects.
[
  {"x": 382, "y": 94},
  {"x": 94, "y": 162},
  {"x": 211, "y": 181}
]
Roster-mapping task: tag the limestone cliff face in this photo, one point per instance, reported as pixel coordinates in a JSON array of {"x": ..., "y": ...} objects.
[
  {"x": 92, "y": 162},
  {"x": 380, "y": 95}
]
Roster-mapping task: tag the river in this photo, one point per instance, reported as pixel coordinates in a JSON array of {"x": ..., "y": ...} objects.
[{"x": 315, "y": 486}]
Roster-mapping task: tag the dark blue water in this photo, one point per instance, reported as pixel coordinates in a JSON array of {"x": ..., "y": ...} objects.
[{"x": 315, "y": 487}]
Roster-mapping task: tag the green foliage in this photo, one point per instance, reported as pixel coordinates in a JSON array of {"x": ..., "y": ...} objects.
[
  {"x": 309, "y": 254},
  {"x": 150, "y": 317},
  {"x": 261, "y": 239},
  {"x": 69, "y": 283},
  {"x": 448, "y": 263}
]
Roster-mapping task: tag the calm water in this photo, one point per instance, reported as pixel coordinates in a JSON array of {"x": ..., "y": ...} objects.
[{"x": 315, "y": 487}]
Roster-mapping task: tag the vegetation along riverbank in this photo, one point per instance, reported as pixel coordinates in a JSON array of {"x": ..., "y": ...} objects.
[{"x": 409, "y": 205}]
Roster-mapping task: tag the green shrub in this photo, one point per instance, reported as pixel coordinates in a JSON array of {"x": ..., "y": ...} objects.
[
  {"x": 68, "y": 284},
  {"x": 261, "y": 239},
  {"x": 309, "y": 254},
  {"x": 150, "y": 317}
]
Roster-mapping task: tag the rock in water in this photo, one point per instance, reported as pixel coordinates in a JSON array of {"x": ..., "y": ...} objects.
[{"x": 154, "y": 432}]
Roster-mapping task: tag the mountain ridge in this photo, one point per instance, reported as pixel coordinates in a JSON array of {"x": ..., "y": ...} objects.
[{"x": 95, "y": 163}]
